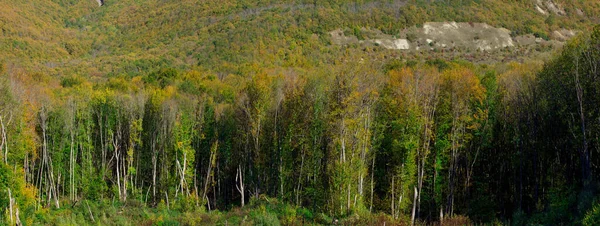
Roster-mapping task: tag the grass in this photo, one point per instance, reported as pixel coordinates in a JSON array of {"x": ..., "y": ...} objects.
[{"x": 260, "y": 211}]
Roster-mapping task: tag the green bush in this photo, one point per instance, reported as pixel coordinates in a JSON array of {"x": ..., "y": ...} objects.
[
  {"x": 70, "y": 81},
  {"x": 287, "y": 214},
  {"x": 519, "y": 218},
  {"x": 305, "y": 213},
  {"x": 163, "y": 77},
  {"x": 168, "y": 223},
  {"x": 323, "y": 219},
  {"x": 261, "y": 216},
  {"x": 592, "y": 217},
  {"x": 394, "y": 64},
  {"x": 189, "y": 87}
]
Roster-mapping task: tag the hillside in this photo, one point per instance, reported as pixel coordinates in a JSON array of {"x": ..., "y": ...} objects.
[
  {"x": 294, "y": 112},
  {"x": 127, "y": 37}
]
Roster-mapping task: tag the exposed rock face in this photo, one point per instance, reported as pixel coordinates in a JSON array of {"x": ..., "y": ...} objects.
[
  {"x": 448, "y": 35},
  {"x": 478, "y": 36},
  {"x": 557, "y": 9},
  {"x": 549, "y": 6},
  {"x": 386, "y": 41},
  {"x": 526, "y": 40},
  {"x": 393, "y": 43},
  {"x": 563, "y": 34},
  {"x": 339, "y": 38},
  {"x": 539, "y": 9}
]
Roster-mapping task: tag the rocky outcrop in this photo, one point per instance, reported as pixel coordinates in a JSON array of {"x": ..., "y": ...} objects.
[
  {"x": 546, "y": 7},
  {"x": 433, "y": 35},
  {"x": 563, "y": 34},
  {"x": 393, "y": 43},
  {"x": 477, "y": 36},
  {"x": 375, "y": 37},
  {"x": 447, "y": 35}
]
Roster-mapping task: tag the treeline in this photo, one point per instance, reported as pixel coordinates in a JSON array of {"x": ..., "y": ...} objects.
[{"x": 415, "y": 140}]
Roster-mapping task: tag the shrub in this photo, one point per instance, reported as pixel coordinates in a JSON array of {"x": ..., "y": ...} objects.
[
  {"x": 592, "y": 217},
  {"x": 287, "y": 214},
  {"x": 69, "y": 81},
  {"x": 261, "y": 216},
  {"x": 321, "y": 218},
  {"x": 394, "y": 64},
  {"x": 163, "y": 77},
  {"x": 457, "y": 220},
  {"x": 305, "y": 213},
  {"x": 519, "y": 218}
]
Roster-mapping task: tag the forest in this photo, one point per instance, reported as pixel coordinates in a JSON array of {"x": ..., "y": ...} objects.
[
  {"x": 416, "y": 141},
  {"x": 294, "y": 133}
]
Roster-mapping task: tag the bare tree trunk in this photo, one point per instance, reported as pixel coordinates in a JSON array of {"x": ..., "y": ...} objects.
[
  {"x": 55, "y": 185},
  {"x": 40, "y": 176},
  {"x": 4, "y": 144},
  {"x": 343, "y": 136},
  {"x": 90, "y": 211},
  {"x": 300, "y": 179},
  {"x": 393, "y": 199},
  {"x": 217, "y": 189},
  {"x": 117, "y": 136},
  {"x": 167, "y": 197},
  {"x": 17, "y": 218},
  {"x": 276, "y": 138},
  {"x": 239, "y": 179},
  {"x": 10, "y": 205},
  {"x": 72, "y": 168},
  {"x": 412, "y": 218},
  {"x": 179, "y": 170},
  {"x": 420, "y": 184},
  {"x": 584, "y": 153},
  {"x": 372, "y": 184},
  {"x": 212, "y": 161},
  {"x": 154, "y": 165},
  {"x": 102, "y": 148},
  {"x": 280, "y": 174},
  {"x": 118, "y": 173},
  {"x": 183, "y": 181},
  {"x": 348, "y": 204},
  {"x": 47, "y": 161},
  {"x": 124, "y": 176},
  {"x": 196, "y": 187}
]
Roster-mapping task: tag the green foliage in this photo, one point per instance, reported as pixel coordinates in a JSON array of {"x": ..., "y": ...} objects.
[
  {"x": 394, "y": 64},
  {"x": 132, "y": 38},
  {"x": 322, "y": 218},
  {"x": 299, "y": 139},
  {"x": 159, "y": 113},
  {"x": 4, "y": 183},
  {"x": 262, "y": 217},
  {"x": 592, "y": 217},
  {"x": 481, "y": 209},
  {"x": 71, "y": 81},
  {"x": 162, "y": 77},
  {"x": 519, "y": 218}
]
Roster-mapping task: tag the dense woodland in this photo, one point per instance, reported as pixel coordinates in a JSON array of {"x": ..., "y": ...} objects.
[
  {"x": 311, "y": 132},
  {"x": 412, "y": 140}
]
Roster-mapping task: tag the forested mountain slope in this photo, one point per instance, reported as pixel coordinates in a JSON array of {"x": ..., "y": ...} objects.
[
  {"x": 299, "y": 112},
  {"x": 124, "y": 37}
]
